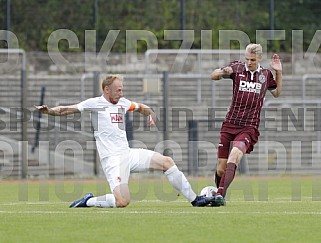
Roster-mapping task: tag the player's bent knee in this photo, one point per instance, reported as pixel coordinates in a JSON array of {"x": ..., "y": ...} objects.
[
  {"x": 122, "y": 203},
  {"x": 122, "y": 195},
  {"x": 235, "y": 155},
  {"x": 168, "y": 163}
]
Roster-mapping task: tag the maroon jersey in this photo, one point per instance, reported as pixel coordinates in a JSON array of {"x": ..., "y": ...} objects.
[{"x": 249, "y": 89}]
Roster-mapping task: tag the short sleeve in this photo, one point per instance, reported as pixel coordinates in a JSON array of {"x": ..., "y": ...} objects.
[
  {"x": 86, "y": 104},
  {"x": 133, "y": 106}
]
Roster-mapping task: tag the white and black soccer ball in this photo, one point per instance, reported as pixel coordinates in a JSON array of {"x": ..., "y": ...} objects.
[{"x": 208, "y": 191}]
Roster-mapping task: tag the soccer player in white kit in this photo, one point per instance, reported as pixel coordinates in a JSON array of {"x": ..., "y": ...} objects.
[{"x": 118, "y": 160}]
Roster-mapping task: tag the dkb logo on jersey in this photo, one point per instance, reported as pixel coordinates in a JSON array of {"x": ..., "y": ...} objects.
[
  {"x": 116, "y": 117},
  {"x": 250, "y": 86}
]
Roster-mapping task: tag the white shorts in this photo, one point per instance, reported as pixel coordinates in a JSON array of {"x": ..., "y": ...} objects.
[{"x": 117, "y": 168}]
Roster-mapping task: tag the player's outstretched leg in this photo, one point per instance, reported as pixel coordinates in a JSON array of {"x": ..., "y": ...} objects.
[
  {"x": 180, "y": 183},
  {"x": 178, "y": 180}
]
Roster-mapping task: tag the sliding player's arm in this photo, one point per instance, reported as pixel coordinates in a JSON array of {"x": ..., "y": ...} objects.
[
  {"x": 58, "y": 110},
  {"x": 146, "y": 111}
]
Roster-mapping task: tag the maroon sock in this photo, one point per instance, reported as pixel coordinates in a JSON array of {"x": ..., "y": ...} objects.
[
  {"x": 229, "y": 176},
  {"x": 217, "y": 179}
]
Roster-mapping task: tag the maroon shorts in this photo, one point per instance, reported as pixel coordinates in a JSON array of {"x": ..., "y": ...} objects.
[{"x": 241, "y": 137}]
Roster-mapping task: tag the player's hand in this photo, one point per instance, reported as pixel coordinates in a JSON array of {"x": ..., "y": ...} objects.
[
  {"x": 227, "y": 71},
  {"x": 42, "y": 108},
  {"x": 276, "y": 63},
  {"x": 151, "y": 121}
]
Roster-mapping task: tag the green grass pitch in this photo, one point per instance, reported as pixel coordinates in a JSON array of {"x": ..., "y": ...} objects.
[{"x": 259, "y": 209}]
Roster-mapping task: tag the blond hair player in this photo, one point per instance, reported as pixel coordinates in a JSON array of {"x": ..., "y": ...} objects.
[{"x": 239, "y": 131}]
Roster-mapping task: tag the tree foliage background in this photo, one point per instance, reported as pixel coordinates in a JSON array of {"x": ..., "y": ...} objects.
[{"x": 33, "y": 21}]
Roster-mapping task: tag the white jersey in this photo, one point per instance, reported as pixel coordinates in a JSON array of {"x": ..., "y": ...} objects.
[{"x": 108, "y": 122}]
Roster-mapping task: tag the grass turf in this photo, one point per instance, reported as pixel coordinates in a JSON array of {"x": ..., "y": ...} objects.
[{"x": 274, "y": 209}]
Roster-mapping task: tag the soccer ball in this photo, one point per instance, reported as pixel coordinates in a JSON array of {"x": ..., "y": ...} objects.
[{"x": 208, "y": 191}]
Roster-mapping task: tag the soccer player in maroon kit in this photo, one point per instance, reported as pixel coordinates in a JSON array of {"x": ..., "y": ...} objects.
[{"x": 239, "y": 131}]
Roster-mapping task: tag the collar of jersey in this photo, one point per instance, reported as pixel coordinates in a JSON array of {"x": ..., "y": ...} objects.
[
  {"x": 257, "y": 70},
  {"x": 252, "y": 73}
]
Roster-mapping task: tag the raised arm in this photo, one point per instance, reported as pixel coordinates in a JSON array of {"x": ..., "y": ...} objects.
[
  {"x": 277, "y": 67},
  {"x": 58, "y": 110}
]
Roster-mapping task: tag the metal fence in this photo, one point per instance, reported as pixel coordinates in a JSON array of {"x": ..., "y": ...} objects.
[{"x": 180, "y": 99}]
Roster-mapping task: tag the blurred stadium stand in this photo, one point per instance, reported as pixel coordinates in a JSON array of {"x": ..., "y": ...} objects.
[{"x": 192, "y": 96}]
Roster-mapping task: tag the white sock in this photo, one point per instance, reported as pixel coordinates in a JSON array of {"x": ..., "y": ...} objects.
[
  {"x": 105, "y": 201},
  {"x": 180, "y": 183}
]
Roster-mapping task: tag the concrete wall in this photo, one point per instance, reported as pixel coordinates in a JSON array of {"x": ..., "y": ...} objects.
[{"x": 193, "y": 91}]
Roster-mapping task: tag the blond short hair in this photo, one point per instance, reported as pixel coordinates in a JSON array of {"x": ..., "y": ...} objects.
[
  {"x": 254, "y": 48},
  {"x": 108, "y": 80}
]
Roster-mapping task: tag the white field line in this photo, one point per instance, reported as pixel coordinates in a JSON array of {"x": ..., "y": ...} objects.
[
  {"x": 119, "y": 211},
  {"x": 269, "y": 201}
]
